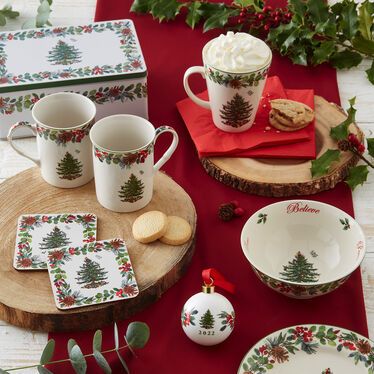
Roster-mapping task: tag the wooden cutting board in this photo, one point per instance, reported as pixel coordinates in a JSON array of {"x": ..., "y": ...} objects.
[
  {"x": 26, "y": 298},
  {"x": 280, "y": 177}
]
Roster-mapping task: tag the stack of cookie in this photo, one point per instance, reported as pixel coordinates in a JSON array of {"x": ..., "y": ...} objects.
[
  {"x": 156, "y": 225},
  {"x": 289, "y": 115}
]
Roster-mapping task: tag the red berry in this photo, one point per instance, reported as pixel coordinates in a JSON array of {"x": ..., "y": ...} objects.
[
  {"x": 234, "y": 203},
  {"x": 260, "y": 16},
  {"x": 361, "y": 148},
  {"x": 267, "y": 9},
  {"x": 277, "y": 13},
  {"x": 267, "y": 27},
  {"x": 239, "y": 212},
  {"x": 242, "y": 14},
  {"x": 276, "y": 19},
  {"x": 240, "y": 20},
  {"x": 352, "y": 138},
  {"x": 288, "y": 15}
]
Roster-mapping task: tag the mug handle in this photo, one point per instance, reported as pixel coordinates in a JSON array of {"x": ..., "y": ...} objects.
[
  {"x": 165, "y": 157},
  {"x": 192, "y": 96},
  {"x": 30, "y": 126}
]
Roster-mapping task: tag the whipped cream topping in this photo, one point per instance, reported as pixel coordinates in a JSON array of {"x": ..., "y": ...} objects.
[{"x": 237, "y": 53}]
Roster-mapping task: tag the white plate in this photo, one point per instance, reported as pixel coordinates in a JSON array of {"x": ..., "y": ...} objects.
[{"x": 310, "y": 349}]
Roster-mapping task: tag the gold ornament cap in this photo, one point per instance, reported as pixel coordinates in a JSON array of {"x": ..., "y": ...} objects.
[{"x": 208, "y": 288}]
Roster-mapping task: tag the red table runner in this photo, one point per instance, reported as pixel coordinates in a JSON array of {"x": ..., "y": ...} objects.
[{"x": 169, "y": 49}]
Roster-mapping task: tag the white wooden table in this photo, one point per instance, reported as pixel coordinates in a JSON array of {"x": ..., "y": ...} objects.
[{"x": 20, "y": 347}]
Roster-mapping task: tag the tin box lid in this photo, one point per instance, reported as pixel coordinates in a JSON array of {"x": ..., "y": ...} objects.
[{"x": 61, "y": 56}]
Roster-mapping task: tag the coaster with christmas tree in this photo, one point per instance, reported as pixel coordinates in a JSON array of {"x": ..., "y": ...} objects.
[
  {"x": 38, "y": 233},
  {"x": 92, "y": 274}
]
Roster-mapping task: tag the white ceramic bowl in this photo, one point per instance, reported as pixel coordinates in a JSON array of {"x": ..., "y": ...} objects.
[{"x": 303, "y": 248}]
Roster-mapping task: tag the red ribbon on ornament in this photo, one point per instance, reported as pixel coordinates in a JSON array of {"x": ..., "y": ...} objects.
[{"x": 213, "y": 277}]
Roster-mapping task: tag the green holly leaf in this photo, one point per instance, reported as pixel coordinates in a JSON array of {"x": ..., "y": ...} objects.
[
  {"x": 256, "y": 4},
  {"x": 165, "y": 9},
  {"x": 328, "y": 28},
  {"x": 299, "y": 56},
  {"x": 370, "y": 73},
  {"x": 349, "y": 19},
  {"x": 219, "y": 19},
  {"x": 47, "y": 352},
  {"x": 363, "y": 45},
  {"x": 345, "y": 59},
  {"x": 357, "y": 175},
  {"x": 370, "y": 144},
  {"x": 366, "y": 19},
  {"x": 321, "y": 165},
  {"x": 141, "y": 6},
  {"x": 193, "y": 16},
  {"x": 322, "y": 52},
  {"x": 341, "y": 131},
  {"x": 318, "y": 10},
  {"x": 137, "y": 334}
]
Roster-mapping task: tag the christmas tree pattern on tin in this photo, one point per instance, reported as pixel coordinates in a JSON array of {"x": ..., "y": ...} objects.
[
  {"x": 132, "y": 190},
  {"x": 55, "y": 239},
  {"x": 207, "y": 320},
  {"x": 299, "y": 270},
  {"x": 64, "y": 54},
  {"x": 69, "y": 167},
  {"x": 91, "y": 274},
  {"x": 237, "y": 112}
]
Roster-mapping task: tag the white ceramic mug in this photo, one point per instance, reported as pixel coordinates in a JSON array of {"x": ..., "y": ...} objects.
[
  {"x": 62, "y": 123},
  {"x": 124, "y": 166},
  {"x": 233, "y": 97}
]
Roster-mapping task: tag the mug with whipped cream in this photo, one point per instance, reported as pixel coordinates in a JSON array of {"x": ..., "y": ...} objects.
[{"x": 235, "y": 69}]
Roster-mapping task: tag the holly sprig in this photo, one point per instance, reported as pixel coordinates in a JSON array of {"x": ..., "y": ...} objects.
[
  {"x": 308, "y": 32},
  {"x": 136, "y": 337},
  {"x": 346, "y": 142}
]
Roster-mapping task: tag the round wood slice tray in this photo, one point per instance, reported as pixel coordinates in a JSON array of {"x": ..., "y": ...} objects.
[
  {"x": 26, "y": 297},
  {"x": 280, "y": 177}
]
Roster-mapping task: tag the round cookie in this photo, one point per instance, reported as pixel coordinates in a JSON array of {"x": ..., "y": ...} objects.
[
  {"x": 178, "y": 231},
  {"x": 149, "y": 226},
  {"x": 280, "y": 126}
]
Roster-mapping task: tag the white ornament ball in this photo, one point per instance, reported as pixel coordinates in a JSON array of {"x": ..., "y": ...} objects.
[{"x": 208, "y": 318}]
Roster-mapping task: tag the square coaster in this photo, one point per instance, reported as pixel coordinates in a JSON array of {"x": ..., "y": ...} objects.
[
  {"x": 96, "y": 273},
  {"x": 38, "y": 233}
]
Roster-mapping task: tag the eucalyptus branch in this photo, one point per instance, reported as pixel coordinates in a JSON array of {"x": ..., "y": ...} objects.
[{"x": 136, "y": 337}]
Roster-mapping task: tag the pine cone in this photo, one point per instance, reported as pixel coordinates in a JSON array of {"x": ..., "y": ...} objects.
[
  {"x": 344, "y": 145},
  {"x": 226, "y": 212}
]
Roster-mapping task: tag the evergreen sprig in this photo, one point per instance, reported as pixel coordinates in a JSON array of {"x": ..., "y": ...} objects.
[
  {"x": 341, "y": 34},
  {"x": 136, "y": 337},
  {"x": 347, "y": 142},
  {"x": 7, "y": 13}
]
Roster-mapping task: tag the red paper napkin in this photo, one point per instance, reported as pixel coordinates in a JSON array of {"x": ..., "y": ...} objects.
[{"x": 261, "y": 140}]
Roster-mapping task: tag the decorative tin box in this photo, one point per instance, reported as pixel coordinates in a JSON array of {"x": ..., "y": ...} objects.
[{"x": 101, "y": 60}]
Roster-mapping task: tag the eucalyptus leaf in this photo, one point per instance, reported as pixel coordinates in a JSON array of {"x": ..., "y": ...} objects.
[
  {"x": 71, "y": 344},
  {"x": 77, "y": 360},
  {"x": 48, "y": 352},
  {"x": 102, "y": 362},
  {"x": 137, "y": 334},
  {"x": 97, "y": 341},
  {"x": 193, "y": 16},
  {"x": 321, "y": 165},
  {"x": 8, "y": 12},
  {"x": 4, "y": 371},
  {"x": 366, "y": 19},
  {"x": 123, "y": 362},
  {"x": 370, "y": 144},
  {"x": 116, "y": 342},
  {"x": 357, "y": 175},
  {"x": 43, "y": 370},
  {"x": 345, "y": 59}
]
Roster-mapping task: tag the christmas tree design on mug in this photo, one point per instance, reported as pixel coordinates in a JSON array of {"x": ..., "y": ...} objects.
[
  {"x": 132, "y": 190},
  {"x": 237, "y": 112},
  {"x": 64, "y": 54},
  {"x": 69, "y": 167}
]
